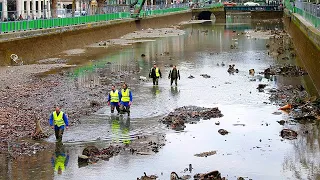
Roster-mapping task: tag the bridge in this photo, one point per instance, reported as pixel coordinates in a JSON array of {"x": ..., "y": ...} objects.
[
  {"x": 219, "y": 13},
  {"x": 253, "y": 8}
]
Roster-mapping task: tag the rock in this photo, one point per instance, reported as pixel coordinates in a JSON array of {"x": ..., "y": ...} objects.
[
  {"x": 191, "y": 77},
  {"x": 145, "y": 177},
  {"x": 261, "y": 86},
  {"x": 90, "y": 151},
  {"x": 83, "y": 160},
  {"x": 217, "y": 123},
  {"x": 281, "y": 122},
  {"x": 94, "y": 103},
  {"x": 267, "y": 45},
  {"x": 288, "y": 134},
  {"x": 240, "y": 178},
  {"x": 206, "y": 154},
  {"x": 143, "y": 78},
  {"x": 179, "y": 116},
  {"x": 251, "y": 71},
  {"x": 185, "y": 177},
  {"x": 144, "y": 153},
  {"x": 223, "y": 132},
  {"x": 213, "y": 175},
  {"x": 205, "y": 75}
]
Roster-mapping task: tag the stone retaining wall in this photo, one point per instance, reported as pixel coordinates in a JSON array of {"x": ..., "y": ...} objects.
[
  {"x": 36, "y": 45},
  {"x": 306, "y": 40}
]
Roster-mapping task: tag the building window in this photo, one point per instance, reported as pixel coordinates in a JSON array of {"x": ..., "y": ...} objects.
[
  {"x": 25, "y": 5},
  {"x": 37, "y": 2}
]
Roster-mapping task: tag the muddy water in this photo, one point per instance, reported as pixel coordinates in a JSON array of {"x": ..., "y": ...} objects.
[{"x": 254, "y": 150}]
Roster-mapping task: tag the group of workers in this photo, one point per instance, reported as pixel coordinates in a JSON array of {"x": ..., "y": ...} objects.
[
  {"x": 155, "y": 74},
  {"x": 119, "y": 100}
]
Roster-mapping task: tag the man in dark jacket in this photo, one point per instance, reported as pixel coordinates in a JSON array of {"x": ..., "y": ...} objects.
[
  {"x": 174, "y": 74},
  {"x": 155, "y": 73}
]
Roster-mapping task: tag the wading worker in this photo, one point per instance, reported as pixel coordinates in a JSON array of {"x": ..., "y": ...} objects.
[
  {"x": 155, "y": 73},
  {"x": 58, "y": 120},
  {"x": 126, "y": 99},
  {"x": 174, "y": 74},
  {"x": 114, "y": 99}
]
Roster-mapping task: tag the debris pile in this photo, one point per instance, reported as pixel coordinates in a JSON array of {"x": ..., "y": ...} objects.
[
  {"x": 303, "y": 107},
  {"x": 92, "y": 154},
  {"x": 223, "y": 132},
  {"x": 205, "y": 75},
  {"x": 288, "y": 134},
  {"x": 179, "y": 116},
  {"x": 206, "y": 154},
  {"x": 285, "y": 70},
  {"x": 213, "y": 175},
  {"x": 145, "y": 177}
]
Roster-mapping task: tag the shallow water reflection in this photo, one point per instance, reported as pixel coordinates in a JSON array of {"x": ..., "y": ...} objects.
[{"x": 254, "y": 150}]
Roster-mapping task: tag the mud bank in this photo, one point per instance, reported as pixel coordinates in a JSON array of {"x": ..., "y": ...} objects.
[
  {"x": 27, "y": 95},
  {"x": 41, "y": 47},
  {"x": 306, "y": 41}
]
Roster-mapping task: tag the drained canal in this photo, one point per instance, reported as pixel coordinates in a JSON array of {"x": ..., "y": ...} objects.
[{"x": 253, "y": 149}]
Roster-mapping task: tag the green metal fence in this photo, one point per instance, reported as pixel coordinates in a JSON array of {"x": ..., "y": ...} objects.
[
  {"x": 16, "y": 26},
  {"x": 314, "y": 20},
  {"x": 162, "y": 11}
]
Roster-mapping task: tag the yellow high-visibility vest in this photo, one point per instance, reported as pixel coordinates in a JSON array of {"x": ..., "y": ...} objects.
[
  {"x": 59, "y": 163},
  {"x": 157, "y": 72},
  {"x": 58, "y": 119},
  {"x": 114, "y": 96},
  {"x": 125, "y": 95}
]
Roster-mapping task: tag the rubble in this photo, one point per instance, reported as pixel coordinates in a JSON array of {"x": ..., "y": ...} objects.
[
  {"x": 145, "y": 177},
  {"x": 285, "y": 70},
  {"x": 191, "y": 77},
  {"x": 205, "y": 75},
  {"x": 179, "y": 116},
  {"x": 303, "y": 108},
  {"x": 206, "y": 154},
  {"x": 213, "y": 175},
  {"x": 223, "y": 132},
  {"x": 92, "y": 154},
  {"x": 288, "y": 134}
]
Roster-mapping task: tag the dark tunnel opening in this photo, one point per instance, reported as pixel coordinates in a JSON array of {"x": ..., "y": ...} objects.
[{"x": 204, "y": 15}]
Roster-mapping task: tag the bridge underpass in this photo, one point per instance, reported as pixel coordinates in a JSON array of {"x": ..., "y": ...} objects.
[{"x": 257, "y": 12}]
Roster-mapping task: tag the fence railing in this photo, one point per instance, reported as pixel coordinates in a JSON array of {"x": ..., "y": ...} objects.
[
  {"x": 309, "y": 11},
  {"x": 25, "y": 25}
]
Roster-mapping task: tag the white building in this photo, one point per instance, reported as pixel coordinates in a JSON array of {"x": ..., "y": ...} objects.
[
  {"x": 33, "y": 9},
  {"x": 26, "y": 8}
]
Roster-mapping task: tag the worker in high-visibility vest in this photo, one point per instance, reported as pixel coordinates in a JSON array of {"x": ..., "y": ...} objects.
[
  {"x": 125, "y": 99},
  {"x": 58, "y": 121},
  {"x": 114, "y": 99},
  {"x": 155, "y": 74},
  {"x": 60, "y": 160}
]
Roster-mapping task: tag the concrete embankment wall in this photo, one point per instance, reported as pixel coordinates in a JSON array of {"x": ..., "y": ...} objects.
[
  {"x": 38, "y": 45},
  {"x": 306, "y": 40}
]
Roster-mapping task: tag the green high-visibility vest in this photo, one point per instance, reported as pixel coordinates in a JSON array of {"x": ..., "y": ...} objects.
[{"x": 58, "y": 119}]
